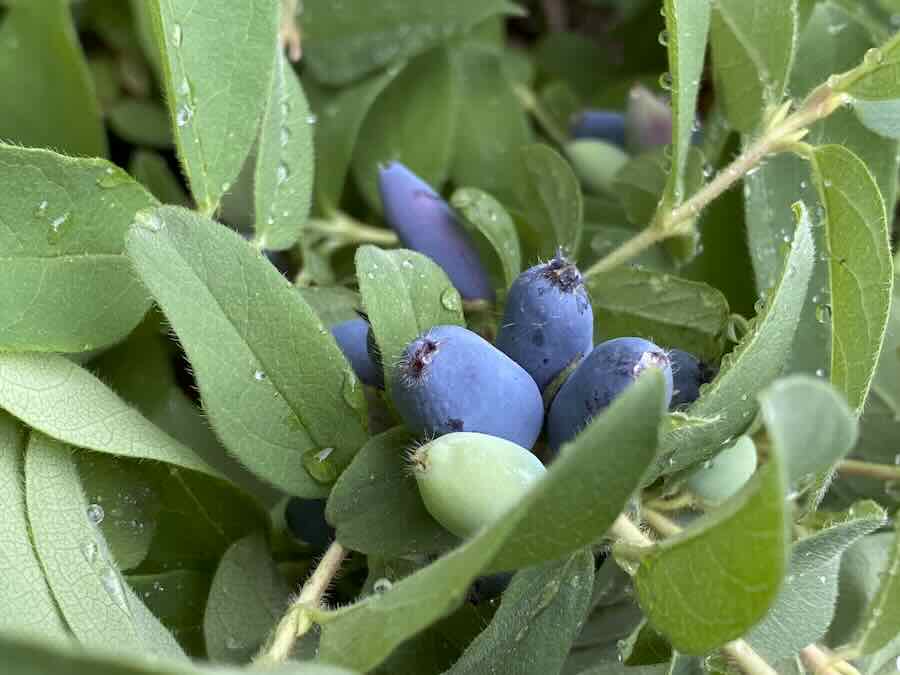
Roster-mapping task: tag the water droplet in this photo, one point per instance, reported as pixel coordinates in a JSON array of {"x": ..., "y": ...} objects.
[
  {"x": 663, "y": 37},
  {"x": 382, "y": 585},
  {"x": 42, "y": 207},
  {"x": 58, "y": 222},
  {"x": 177, "y": 35},
  {"x": 184, "y": 88},
  {"x": 90, "y": 550},
  {"x": 897, "y": 459},
  {"x": 820, "y": 372},
  {"x": 892, "y": 489},
  {"x": 282, "y": 173},
  {"x": 112, "y": 584},
  {"x": 259, "y": 376},
  {"x": 285, "y": 136},
  {"x": 95, "y": 513},
  {"x": 873, "y": 57},
  {"x": 184, "y": 115},
  {"x": 665, "y": 81},
  {"x": 823, "y": 313},
  {"x": 113, "y": 177},
  {"x": 233, "y": 644},
  {"x": 311, "y": 118},
  {"x": 318, "y": 464},
  {"x": 450, "y": 299},
  {"x": 149, "y": 220},
  {"x": 823, "y": 579}
]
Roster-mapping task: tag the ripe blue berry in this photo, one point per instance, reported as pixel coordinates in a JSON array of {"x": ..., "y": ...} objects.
[
  {"x": 424, "y": 222},
  {"x": 548, "y": 322},
  {"x": 604, "y": 125},
  {"x": 469, "y": 480},
  {"x": 451, "y": 379},
  {"x": 352, "y": 337},
  {"x": 688, "y": 373},
  {"x": 604, "y": 374},
  {"x": 306, "y": 521}
]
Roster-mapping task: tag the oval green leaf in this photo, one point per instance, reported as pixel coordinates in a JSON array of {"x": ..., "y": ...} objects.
[
  {"x": 491, "y": 219},
  {"x": 288, "y": 404}
]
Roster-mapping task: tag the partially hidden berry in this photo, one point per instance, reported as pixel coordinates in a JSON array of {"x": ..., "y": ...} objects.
[
  {"x": 604, "y": 125},
  {"x": 648, "y": 121},
  {"x": 603, "y": 375},
  {"x": 726, "y": 473},
  {"x": 548, "y": 322},
  {"x": 451, "y": 379},
  {"x": 352, "y": 337},
  {"x": 306, "y": 522},
  {"x": 688, "y": 374},
  {"x": 469, "y": 480},
  {"x": 424, "y": 222}
]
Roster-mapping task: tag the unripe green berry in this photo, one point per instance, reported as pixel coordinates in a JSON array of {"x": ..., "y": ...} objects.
[
  {"x": 468, "y": 480},
  {"x": 726, "y": 473}
]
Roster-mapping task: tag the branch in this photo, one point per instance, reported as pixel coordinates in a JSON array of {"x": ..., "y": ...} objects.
[{"x": 297, "y": 621}]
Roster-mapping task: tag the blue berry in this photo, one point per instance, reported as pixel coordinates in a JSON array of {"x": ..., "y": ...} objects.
[
  {"x": 352, "y": 337},
  {"x": 306, "y": 521},
  {"x": 604, "y": 374},
  {"x": 424, "y": 222},
  {"x": 604, "y": 125},
  {"x": 688, "y": 373},
  {"x": 451, "y": 379},
  {"x": 548, "y": 322}
]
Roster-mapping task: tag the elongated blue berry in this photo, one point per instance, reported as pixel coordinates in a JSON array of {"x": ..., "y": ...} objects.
[
  {"x": 451, "y": 379},
  {"x": 548, "y": 322},
  {"x": 424, "y": 222},
  {"x": 352, "y": 337},
  {"x": 605, "y": 373},
  {"x": 469, "y": 480},
  {"x": 688, "y": 374},
  {"x": 604, "y": 125}
]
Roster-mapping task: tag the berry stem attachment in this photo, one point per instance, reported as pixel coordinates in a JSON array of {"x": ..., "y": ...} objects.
[
  {"x": 298, "y": 619},
  {"x": 531, "y": 103}
]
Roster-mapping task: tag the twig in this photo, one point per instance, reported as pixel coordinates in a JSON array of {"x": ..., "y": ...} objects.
[
  {"x": 822, "y": 663},
  {"x": 290, "y": 32},
  {"x": 297, "y": 621},
  {"x": 855, "y": 467}
]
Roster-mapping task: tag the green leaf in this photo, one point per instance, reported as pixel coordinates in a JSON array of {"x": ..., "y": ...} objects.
[
  {"x": 687, "y": 27},
  {"x": 669, "y": 310},
  {"x": 879, "y": 626},
  {"x": 491, "y": 124},
  {"x": 152, "y": 171},
  {"x": 573, "y": 505},
  {"x": 65, "y": 283},
  {"x": 29, "y": 607},
  {"x": 753, "y": 45},
  {"x": 538, "y": 619},
  {"x": 876, "y": 79},
  {"x": 414, "y": 122},
  {"x": 337, "y": 130},
  {"x": 333, "y": 304},
  {"x": 55, "y": 105},
  {"x": 342, "y": 43},
  {"x": 491, "y": 219},
  {"x": 247, "y": 597},
  {"x": 729, "y": 401},
  {"x": 216, "y": 103},
  {"x": 59, "y": 398},
  {"x": 549, "y": 194},
  {"x": 404, "y": 294},
  {"x": 805, "y": 605},
  {"x": 641, "y": 183},
  {"x": 375, "y": 504},
  {"x": 178, "y": 599},
  {"x": 141, "y": 122},
  {"x": 713, "y": 581},
  {"x": 282, "y": 419},
  {"x": 33, "y": 658},
  {"x": 811, "y": 421},
  {"x": 126, "y": 496},
  {"x": 284, "y": 163},
  {"x": 860, "y": 267},
  {"x": 100, "y": 609}
]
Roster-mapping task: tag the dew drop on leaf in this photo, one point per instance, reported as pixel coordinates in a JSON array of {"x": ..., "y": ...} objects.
[{"x": 95, "y": 513}]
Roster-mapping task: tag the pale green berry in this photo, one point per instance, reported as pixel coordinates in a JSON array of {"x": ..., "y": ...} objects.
[
  {"x": 468, "y": 480},
  {"x": 726, "y": 473}
]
